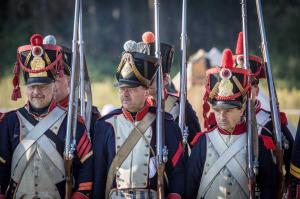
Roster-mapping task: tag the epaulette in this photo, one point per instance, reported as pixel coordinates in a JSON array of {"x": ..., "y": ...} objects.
[
  {"x": 268, "y": 142},
  {"x": 295, "y": 171},
  {"x": 282, "y": 116},
  {"x": 110, "y": 114},
  {"x": 199, "y": 134}
]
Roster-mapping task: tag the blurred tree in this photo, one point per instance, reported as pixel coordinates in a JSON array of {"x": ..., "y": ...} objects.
[{"x": 109, "y": 23}]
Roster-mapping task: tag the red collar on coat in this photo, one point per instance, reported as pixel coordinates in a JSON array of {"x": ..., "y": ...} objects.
[
  {"x": 139, "y": 115},
  {"x": 64, "y": 102},
  {"x": 238, "y": 130}
]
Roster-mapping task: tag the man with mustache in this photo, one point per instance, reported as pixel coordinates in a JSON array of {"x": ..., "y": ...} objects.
[
  {"x": 217, "y": 167},
  {"x": 32, "y": 138},
  {"x": 134, "y": 175},
  {"x": 62, "y": 83}
]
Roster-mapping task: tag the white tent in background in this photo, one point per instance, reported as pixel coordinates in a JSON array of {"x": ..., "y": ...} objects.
[{"x": 215, "y": 56}]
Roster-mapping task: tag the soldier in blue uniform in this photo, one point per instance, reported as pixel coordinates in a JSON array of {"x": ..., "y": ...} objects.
[
  {"x": 171, "y": 99},
  {"x": 135, "y": 177},
  {"x": 263, "y": 117},
  {"x": 217, "y": 166},
  {"x": 62, "y": 83},
  {"x": 294, "y": 189},
  {"x": 32, "y": 137}
]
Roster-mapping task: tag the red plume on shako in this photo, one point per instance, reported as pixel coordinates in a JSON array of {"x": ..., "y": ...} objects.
[
  {"x": 227, "y": 60},
  {"x": 239, "y": 45},
  {"x": 148, "y": 37}
]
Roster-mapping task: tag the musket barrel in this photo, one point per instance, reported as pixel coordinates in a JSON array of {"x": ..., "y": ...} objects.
[
  {"x": 81, "y": 63},
  {"x": 250, "y": 116},
  {"x": 159, "y": 79},
  {"x": 161, "y": 151},
  {"x": 183, "y": 74},
  {"x": 70, "y": 121},
  {"x": 272, "y": 91}
]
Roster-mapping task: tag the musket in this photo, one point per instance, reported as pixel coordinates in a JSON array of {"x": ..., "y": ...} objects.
[
  {"x": 79, "y": 81},
  {"x": 183, "y": 77},
  {"x": 70, "y": 141},
  {"x": 274, "y": 105},
  {"x": 161, "y": 150},
  {"x": 85, "y": 84},
  {"x": 252, "y": 134}
]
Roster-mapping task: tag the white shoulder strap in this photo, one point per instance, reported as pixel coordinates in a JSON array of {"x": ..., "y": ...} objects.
[
  {"x": 35, "y": 133},
  {"x": 226, "y": 159}
]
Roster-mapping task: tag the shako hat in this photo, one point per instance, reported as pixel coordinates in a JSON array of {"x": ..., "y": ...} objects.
[
  {"x": 226, "y": 86},
  {"x": 255, "y": 62},
  {"x": 136, "y": 67},
  {"x": 67, "y": 54},
  {"x": 166, "y": 50}
]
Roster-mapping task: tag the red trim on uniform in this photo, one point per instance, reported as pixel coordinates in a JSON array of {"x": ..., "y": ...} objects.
[
  {"x": 283, "y": 118},
  {"x": 177, "y": 155},
  {"x": 150, "y": 100},
  {"x": 199, "y": 134},
  {"x": 45, "y": 46},
  {"x": 139, "y": 115},
  {"x": 257, "y": 106},
  {"x": 174, "y": 196},
  {"x": 85, "y": 186},
  {"x": 268, "y": 142},
  {"x": 64, "y": 102},
  {"x": 87, "y": 150},
  {"x": 53, "y": 104},
  {"x": 1, "y": 118},
  {"x": 80, "y": 119},
  {"x": 78, "y": 195},
  {"x": 212, "y": 122},
  {"x": 127, "y": 115},
  {"x": 298, "y": 192},
  {"x": 238, "y": 130},
  {"x": 81, "y": 141},
  {"x": 83, "y": 147},
  {"x": 2, "y": 196},
  {"x": 196, "y": 138}
]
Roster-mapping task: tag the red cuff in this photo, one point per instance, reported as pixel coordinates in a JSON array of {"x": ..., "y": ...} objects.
[
  {"x": 78, "y": 195},
  {"x": 174, "y": 196},
  {"x": 2, "y": 196}
]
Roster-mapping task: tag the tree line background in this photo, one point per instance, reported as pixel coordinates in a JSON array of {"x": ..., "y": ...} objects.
[{"x": 109, "y": 23}]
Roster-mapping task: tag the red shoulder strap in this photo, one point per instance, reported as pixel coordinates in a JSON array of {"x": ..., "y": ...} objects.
[
  {"x": 283, "y": 119},
  {"x": 268, "y": 142},
  {"x": 197, "y": 137}
]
